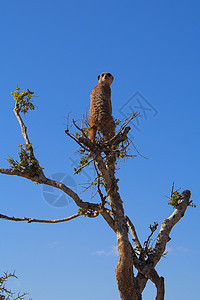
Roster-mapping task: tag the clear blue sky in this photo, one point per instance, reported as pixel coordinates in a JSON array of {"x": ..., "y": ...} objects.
[{"x": 57, "y": 49}]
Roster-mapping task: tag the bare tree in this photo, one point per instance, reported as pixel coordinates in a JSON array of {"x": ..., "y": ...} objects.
[{"x": 104, "y": 155}]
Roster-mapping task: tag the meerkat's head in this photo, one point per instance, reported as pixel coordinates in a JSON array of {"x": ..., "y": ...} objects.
[{"x": 105, "y": 78}]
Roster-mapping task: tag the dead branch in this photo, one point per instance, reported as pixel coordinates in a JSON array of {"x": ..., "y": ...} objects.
[
  {"x": 146, "y": 247},
  {"x": 134, "y": 234},
  {"x": 138, "y": 151},
  {"x": 32, "y": 220}
]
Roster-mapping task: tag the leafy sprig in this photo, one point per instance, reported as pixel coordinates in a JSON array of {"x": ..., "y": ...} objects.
[
  {"x": 27, "y": 163},
  {"x": 173, "y": 201},
  {"x": 23, "y": 99}
]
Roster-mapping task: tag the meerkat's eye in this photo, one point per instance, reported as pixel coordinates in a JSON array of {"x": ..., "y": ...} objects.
[{"x": 109, "y": 75}]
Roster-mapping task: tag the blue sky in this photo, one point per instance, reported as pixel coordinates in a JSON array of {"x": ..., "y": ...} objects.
[{"x": 57, "y": 49}]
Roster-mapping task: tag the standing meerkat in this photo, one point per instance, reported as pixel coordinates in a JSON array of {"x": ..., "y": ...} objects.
[{"x": 101, "y": 108}]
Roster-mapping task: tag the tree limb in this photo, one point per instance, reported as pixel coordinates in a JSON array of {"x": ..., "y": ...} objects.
[
  {"x": 168, "y": 224},
  {"x": 32, "y": 220},
  {"x": 59, "y": 185},
  {"x": 134, "y": 234},
  {"x": 163, "y": 236},
  {"x": 69, "y": 192},
  {"x": 21, "y": 123}
]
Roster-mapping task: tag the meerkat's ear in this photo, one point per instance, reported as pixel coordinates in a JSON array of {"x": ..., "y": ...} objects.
[{"x": 98, "y": 77}]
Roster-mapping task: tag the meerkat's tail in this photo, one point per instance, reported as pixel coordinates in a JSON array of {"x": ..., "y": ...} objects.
[
  {"x": 108, "y": 130},
  {"x": 92, "y": 133}
]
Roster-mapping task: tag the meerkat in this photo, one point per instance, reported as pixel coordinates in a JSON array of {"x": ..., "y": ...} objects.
[{"x": 101, "y": 108}]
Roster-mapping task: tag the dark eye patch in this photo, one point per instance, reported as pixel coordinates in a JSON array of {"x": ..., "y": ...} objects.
[{"x": 109, "y": 75}]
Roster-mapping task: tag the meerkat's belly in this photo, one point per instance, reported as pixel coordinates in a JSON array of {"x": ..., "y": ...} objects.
[{"x": 100, "y": 109}]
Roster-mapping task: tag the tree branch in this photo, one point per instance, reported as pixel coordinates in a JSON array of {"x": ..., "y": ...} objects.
[
  {"x": 163, "y": 237},
  {"x": 69, "y": 192},
  {"x": 59, "y": 185},
  {"x": 32, "y": 220},
  {"x": 75, "y": 139},
  {"x": 134, "y": 234},
  {"x": 168, "y": 224},
  {"x": 21, "y": 123}
]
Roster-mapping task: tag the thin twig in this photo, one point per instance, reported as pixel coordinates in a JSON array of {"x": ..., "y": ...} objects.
[
  {"x": 138, "y": 151},
  {"x": 81, "y": 167},
  {"x": 76, "y": 140},
  {"x": 147, "y": 242},
  {"x": 80, "y": 129}
]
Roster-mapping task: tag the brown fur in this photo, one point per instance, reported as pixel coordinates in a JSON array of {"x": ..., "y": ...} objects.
[{"x": 101, "y": 109}]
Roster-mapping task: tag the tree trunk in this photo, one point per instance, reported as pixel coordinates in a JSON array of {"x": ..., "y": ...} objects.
[{"x": 127, "y": 283}]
